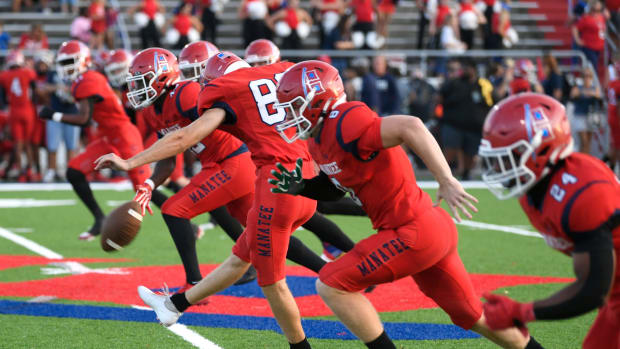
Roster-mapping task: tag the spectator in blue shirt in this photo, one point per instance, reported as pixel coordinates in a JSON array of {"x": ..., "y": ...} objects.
[
  {"x": 389, "y": 97},
  {"x": 5, "y": 38}
]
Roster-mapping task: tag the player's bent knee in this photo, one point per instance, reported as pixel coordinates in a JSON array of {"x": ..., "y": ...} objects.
[{"x": 326, "y": 291}]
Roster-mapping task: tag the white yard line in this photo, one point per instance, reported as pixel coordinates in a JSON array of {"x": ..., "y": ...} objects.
[
  {"x": 502, "y": 228},
  {"x": 181, "y": 330},
  {"x": 184, "y": 332}
]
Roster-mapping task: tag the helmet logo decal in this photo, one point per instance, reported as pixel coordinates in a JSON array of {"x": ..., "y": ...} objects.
[
  {"x": 311, "y": 80},
  {"x": 536, "y": 121},
  {"x": 161, "y": 63}
]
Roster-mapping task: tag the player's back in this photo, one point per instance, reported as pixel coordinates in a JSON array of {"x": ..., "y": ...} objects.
[
  {"x": 249, "y": 95},
  {"x": 179, "y": 110},
  {"x": 582, "y": 195},
  {"x": 382, "y": 179},
  {"x": 16, "y": 83},
  {"x": 108, "y": 110}
]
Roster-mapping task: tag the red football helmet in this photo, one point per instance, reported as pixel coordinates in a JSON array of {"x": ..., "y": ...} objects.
[
  {"x": 262, "y": 52},
  {"x": 523, "y": 136},
  {"x": 150, "y": 73},
  {"x": 221, "y": 64},
  {"x": 15, "y": 58},
  {"x": 72, "y": 60},
  {"x": 117, "y": 66},
  {"x": 524, "y": 68},
  {"x": 307, "y": 92},
  {"x": 193, "y": 57}
]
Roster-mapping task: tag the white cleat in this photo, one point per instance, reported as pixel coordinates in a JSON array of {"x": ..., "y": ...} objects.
[
  {"x": 86, "y": 236},
  {"x": 166, "y": 313}
]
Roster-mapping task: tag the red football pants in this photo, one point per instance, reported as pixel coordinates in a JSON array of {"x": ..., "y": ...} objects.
[
  {"x": 230, "y": 183},
  {"x": 124, "y": 142},
  {"x": 605, "y": 331},
  {"x": 22, "y": 127},
  {"x": 426, "y": 250},
  {"x": 271, "y": 221}
]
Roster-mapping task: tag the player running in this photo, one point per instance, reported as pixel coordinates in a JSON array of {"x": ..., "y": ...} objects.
[
  {"x": 572, "y": 199},
  {"x": 115, "y": 133},
  {"x": 359, "y": 153},
  {"x": 240, "y": 101}
]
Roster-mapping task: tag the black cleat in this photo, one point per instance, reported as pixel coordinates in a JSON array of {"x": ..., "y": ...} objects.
[
  {"x": 93, "y": 232},
  {"x": 249, "y": 276}
]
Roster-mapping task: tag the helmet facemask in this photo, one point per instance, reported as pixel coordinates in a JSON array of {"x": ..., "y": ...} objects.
[
  {"x": 69, "y": 67},
  {"x": 294, "y": 110},
  {"x": 506, "y": 173},
  {"x": 141, "y": 92},
  {"x": 117, "y": 73},
  {"x": 191, "y": 71}
]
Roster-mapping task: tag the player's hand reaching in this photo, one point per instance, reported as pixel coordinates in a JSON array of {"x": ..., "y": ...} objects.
[
  {"x": 112, "y": 161},
  {"x": 456, "y": 197},
  {"x": 143, "y": 196},
  {"x": 46, "y": 113},
  {"x": 287, "y": 182},
  {"x": 502, "y": 312}
]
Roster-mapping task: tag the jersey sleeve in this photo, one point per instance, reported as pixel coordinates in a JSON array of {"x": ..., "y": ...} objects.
[
  {"x": 185, "y": 100},
  {"x": 359, "y": 131},
  {"x": 590, "y": 208},
  {"x": 87, "y": 86},
  {"x": 213, "y": 95}
]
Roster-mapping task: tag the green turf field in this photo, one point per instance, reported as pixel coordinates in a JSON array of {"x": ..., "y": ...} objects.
[{"x": 57, "y": 227}]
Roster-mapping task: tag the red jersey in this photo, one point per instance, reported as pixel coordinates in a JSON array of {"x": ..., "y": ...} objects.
[
  {"x": 442, "y": 12},
  {"x": 28, "y": 43},
  {"x": 363, "y": 10},
  {"x": 149, "y": 7},
  {"x": 183, "y": 23},
  {"x": 179, "y": 110},
  {"x": 518, "y": 85},
  {"x": 108, "y": 110},
  {"x": 96, "y": 10},
  {"x": 582, "y": 195},
  {"x": 592, "y": 31},
  {"x": 17, "y": 85},
  {"x": 248, "y": 96},
  {"x": 349, "y": 150}
]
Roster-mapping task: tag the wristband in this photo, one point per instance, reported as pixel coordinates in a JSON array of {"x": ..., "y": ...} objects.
[
  {"x": 150, "y": 183},
  {"x": 57, "y": 116}
]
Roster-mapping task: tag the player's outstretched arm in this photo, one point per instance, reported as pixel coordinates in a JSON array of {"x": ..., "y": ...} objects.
[
  {"x": 398, "y": 129},
  {"x": 82, "y": 118},
  {"x": 291, "y": 182},
  {"x": 171, "y": 144}
]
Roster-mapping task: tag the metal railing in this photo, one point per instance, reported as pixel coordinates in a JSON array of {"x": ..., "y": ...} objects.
[{"x": 120, "y": 22}]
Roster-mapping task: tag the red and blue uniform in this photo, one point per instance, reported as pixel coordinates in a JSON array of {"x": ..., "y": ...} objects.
[
  {"x": 583, "y": 195},
  {"x": 248, "y": 95},
  {"x": 115, "y": 132},
  {"x": 17, "y": 85},
  {"x": 413, "y": 238},
  {"x": 227, "y": 176}
]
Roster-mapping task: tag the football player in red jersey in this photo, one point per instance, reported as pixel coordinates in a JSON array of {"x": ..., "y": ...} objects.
[
  {"x": 193, "y": 57},
  {"x": 17, "y": 82},
  {"x": 572, "y": 199},
  {"x": 240, "y": 101},
  {"x": 262, "y": 52},
  {"x": 356, "y": 151},
  {"x": 96, "y": 102},
  {"x": 613, "y": 119}
]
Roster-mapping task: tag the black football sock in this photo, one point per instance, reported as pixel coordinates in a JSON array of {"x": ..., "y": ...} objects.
[
  {"x": 328, "y": 231},
  {"x": 533, "y": 344},
  {"x": 302, "y": 255},
  {"x": 382, "y": 342},
  {"x": 174, "y": 186},
  {"x": 224, "y": 219},
  {"x": 158, "y": 198},
  {"x": 180, "y": 302},
  {"x": 345, "y": 206},
  {"x": 82, "y": 189},
  {"x": 301, "y": 345},
  {"x": 185, "y": 241}
]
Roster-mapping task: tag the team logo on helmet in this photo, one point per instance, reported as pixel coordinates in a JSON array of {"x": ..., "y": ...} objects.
[
  {"x": 161, "y": 64},
  {"x": 536, "y": 121},
  {"x": 312, "y": 82}
]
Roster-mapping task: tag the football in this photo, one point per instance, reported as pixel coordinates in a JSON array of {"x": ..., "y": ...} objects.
[{"x": 121, "y": 226}]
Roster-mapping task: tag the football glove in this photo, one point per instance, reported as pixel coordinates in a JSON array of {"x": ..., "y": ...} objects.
[
  {"x": 46, "y": 113},
  {"x": 287, "y": 182},
  {"x": 502, "y": 312},
  {"x": 143, "y": 196}
]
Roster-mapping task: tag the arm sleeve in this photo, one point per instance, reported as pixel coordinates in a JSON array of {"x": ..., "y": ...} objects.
[
  {"x": 359, "y": 132},
  {"x": 186, "y": 100},
  {"x": 321, "y": 188},
  {"x": 213, "y": 96}
]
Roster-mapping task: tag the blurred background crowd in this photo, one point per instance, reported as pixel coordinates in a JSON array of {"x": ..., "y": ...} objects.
[{"x": 445, "y": 61}]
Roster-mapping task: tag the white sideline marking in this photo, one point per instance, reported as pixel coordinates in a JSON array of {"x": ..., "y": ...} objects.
[
  {"x": 77, "y": 268},
  {"x": 503, "y": 228},
  {"x": 126, "y": 185},
  {"x": 21, "y": 230},
  {"x": 29, "y": 244},
  {"x": 29, "y": 202},
  {"x": 189, "y": 335}
]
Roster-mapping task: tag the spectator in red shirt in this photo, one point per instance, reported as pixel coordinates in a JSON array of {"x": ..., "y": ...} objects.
[
  {"x": 34, "y": 40},
  {"x": 438, "y": 18},
  {"x": 364, "y": 34},
  {"x": 98, "y": 25},
  {"x": 589, "y": 33},
  {"x": 185, "y": 28},
  {"x": 292, "y": 24},
  {"x": 149, "y": 16}
]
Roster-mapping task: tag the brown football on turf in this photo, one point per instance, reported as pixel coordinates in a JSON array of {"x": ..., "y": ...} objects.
[{"x": 121, "y": 226}]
